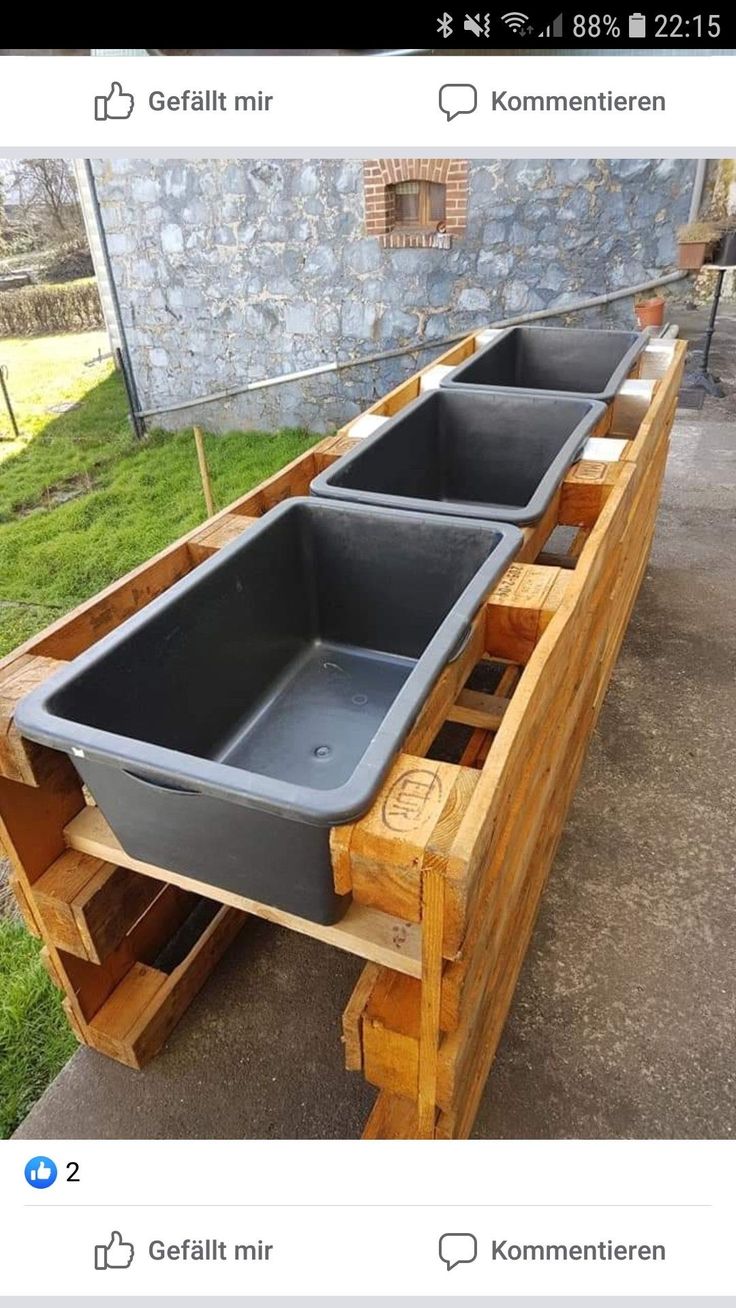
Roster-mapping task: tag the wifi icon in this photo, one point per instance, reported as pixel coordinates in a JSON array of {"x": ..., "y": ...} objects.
[{"x": 515, "y": 20}]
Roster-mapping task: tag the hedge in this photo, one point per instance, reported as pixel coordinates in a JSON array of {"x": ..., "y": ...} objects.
[{"x": 45, "y": 310}]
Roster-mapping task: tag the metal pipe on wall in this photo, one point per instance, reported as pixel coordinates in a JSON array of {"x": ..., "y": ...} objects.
[{"x": 339, "y": 365}]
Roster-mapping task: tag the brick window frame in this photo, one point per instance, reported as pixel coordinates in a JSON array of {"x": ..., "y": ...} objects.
[{"x": 380, "y": 175}]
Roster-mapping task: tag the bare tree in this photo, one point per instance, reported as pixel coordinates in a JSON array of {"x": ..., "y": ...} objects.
[{"x": 48, "y": 185}]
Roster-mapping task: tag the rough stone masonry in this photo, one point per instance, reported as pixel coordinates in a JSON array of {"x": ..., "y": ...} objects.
[{"x": 229, "y": 271}]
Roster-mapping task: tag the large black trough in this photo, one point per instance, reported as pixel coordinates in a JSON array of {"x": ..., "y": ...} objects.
[
  {"x": 463, "y": 452},
  {"x": 564, "y": 360},
  {"x": 261, "y": 700}
]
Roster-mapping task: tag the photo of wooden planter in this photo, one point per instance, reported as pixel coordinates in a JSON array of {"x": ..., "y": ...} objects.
[{"x": 446, "y": 871}]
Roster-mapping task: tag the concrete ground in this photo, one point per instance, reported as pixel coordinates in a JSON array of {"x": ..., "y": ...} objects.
[{"x": 624, "y": 1018}]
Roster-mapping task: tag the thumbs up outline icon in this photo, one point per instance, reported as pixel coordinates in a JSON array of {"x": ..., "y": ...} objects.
[
  {"x": 118, "y": 1253},
  {"x": 118, "y": 104}
]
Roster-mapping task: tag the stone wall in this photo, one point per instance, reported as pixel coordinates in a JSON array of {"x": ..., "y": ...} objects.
[{"x": 232, "y": 271}]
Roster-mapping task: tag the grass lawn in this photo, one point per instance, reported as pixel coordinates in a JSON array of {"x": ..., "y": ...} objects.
[
  {"x": 82, "y": 502},
  {"x": 35, "y": 1039}
]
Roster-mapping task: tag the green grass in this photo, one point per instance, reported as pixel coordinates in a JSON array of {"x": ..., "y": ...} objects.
[
  {"x": 151, "y": 494},
  {"x": 35, "y": 1039},
  {"x": 44, "y": 372},
  {"x": 131, "y": 499}
]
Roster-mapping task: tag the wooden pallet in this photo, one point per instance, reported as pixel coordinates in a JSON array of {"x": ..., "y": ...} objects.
[{"x": 447, "y": 868}]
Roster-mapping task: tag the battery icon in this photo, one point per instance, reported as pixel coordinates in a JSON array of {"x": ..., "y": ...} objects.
[{"x": 637, "y": 26}]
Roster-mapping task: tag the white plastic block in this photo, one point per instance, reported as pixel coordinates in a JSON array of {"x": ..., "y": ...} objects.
[
  {"x": 487, "y": 335},
  {"x": 365, "y": 425},
  {"x": 433, "y": 376},
  {"x": 603, "y": 449}
]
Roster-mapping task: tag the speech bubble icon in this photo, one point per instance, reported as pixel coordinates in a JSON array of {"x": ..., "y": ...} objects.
[
  {"x": 458, "y": 1247},
  {"x": 458, "y": 98}
]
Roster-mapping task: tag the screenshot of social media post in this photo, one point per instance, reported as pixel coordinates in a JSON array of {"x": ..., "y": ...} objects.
[{"x": 368, "y": 663}]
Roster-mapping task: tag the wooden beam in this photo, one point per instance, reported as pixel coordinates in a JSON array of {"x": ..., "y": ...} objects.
[
  {"x": 352, "y": 1018},
  {"x": 373, "y": 935},
  {"x": 24, "y": 760},
  {"x": 141, "y": 1013},
  {"x": 584, "y": 492},
  {"x": 87, "y": 905},
  {"x": 215, "y": 535},
  {"x": 520, "y": 608},
  {"x": 473, "y": 708},
  {"x": 380, "y": 857}
]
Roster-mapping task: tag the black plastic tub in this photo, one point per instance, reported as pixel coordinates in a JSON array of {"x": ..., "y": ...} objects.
[
  {"x": 228, "y": 725},
  {"x": 562, "y": 360},
  {"x": 489, "y": 455}
]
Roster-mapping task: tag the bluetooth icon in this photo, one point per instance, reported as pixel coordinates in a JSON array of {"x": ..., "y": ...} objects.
[{"x": 444, "y": 25}]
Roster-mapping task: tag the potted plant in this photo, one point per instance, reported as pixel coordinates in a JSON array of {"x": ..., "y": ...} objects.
[
  {"x": 650, "y": 313},
  {"x": 693, "y": 242}
]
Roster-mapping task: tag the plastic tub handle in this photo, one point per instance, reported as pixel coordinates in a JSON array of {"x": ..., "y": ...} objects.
[
  {"x": 160, "y": 785},
  {"x": 461, "y": 644},
  {"x": 581, "y": 448}
]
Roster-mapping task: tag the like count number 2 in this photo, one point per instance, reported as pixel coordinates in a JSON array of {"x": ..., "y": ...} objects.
[{"x": 41, "y": 1172}]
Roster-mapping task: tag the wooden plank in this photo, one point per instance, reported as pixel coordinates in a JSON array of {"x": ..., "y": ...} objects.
[
  {"x": 87, "y": 905},
  {"x": 391, "y": 1118},
  {"x": 370, "y": 934},
  {"x": 327, "y": 452},
  {"x": 434, "y": 873},
  {"x": 433, "y": 919},
  {"x": 352, "y": 1018},
  {"x": 50, "y": 968},
  {"x": 615, "y": 563},
  {"x": 32, "y": 820},
  {"x": 138, "y": 1022},
  {"x": 474, "y": 708},
  {"x": 473, "y": 749},
  {"x": 584, "y": 492},
  {"x": 75, "y": 1025},
  {"x": 25, "y": 908},
  {"x": 54, "y": 894},
  {"x": 160, "y": 922},
  {"x": 381, "y": 856},
  {"x": 215, "y": 536},
  {"x": 112, "y": 1022},
  {"x": 106, "y": 908},
  {"x": 89, "y": 985},
  {"x": 392, "y": 1059},
  {"x": 520, "y": 607},
  {"x": 24, "y": 760}
]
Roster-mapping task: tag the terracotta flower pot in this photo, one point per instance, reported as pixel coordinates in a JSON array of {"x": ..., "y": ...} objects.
[
  {"x": 691, "y": 254},
  {"x": 650, "y": 313}
]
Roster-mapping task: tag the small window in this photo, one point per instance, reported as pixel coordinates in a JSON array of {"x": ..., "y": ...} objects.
[{"x": 418, "y": 204}]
